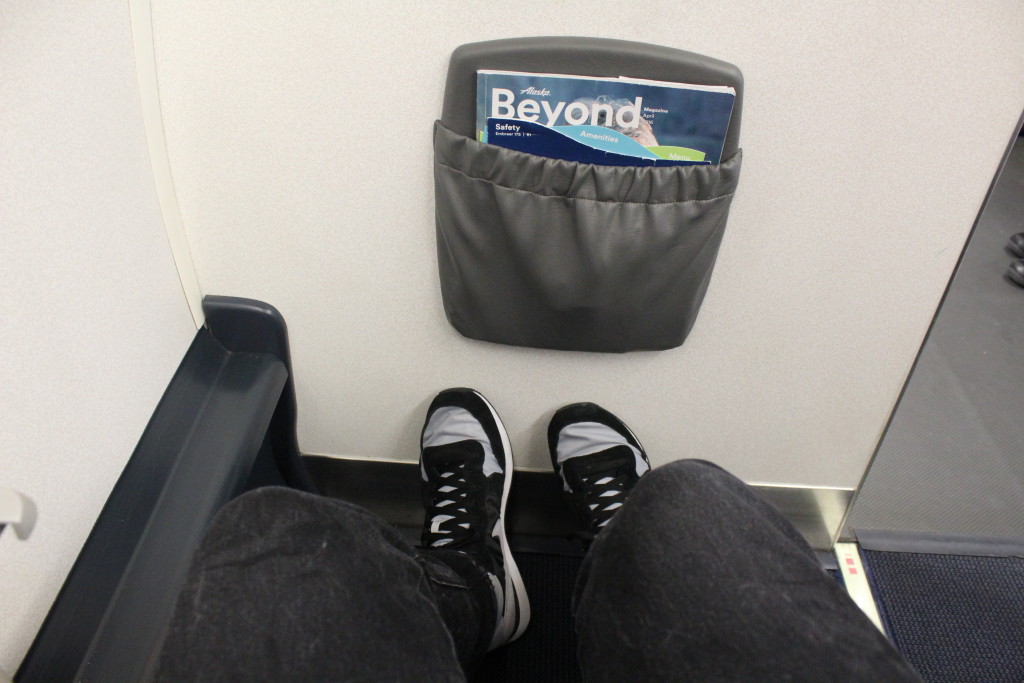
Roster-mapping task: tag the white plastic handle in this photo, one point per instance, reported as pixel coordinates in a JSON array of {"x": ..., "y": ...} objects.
[{"x": 18, "y": 511}]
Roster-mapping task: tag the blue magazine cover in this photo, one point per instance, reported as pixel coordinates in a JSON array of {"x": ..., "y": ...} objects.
[{"x": 608, "y": 121}]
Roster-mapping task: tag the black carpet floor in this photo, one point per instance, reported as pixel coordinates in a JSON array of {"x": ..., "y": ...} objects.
[
  {"x": 547, "y": 650},
  {"x": 954, "y": 617}
]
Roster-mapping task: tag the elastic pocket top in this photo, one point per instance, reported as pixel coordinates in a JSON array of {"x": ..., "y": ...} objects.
[{"x": 550, "y": 253}]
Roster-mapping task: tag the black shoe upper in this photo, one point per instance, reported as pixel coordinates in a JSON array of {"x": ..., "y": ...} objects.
[
  {"x": 600, "y": 483},
  {"x": 453, "y": 492},
  {"x": 597, "y": 484},
  {"x": 466, "y": 469}
]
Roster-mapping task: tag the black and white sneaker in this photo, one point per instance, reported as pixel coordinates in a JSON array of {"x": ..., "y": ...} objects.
[
  {"x": 466, "y": 468},
  {"x": 598, "y": 459}
]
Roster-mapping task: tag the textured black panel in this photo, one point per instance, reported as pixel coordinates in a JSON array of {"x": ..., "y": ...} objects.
[
  {"x": 392, "y": 491},
  {"x": 211, "y": 437},
  {"x": 547, "y": 650},
  {"x": 954, "y": 617}
]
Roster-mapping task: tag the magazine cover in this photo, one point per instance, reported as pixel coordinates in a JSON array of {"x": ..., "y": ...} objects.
[{"x": 608, "y": 121}]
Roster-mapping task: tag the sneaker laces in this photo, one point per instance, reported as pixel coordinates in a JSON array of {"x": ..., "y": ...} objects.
[
  {"x": 450, "y": 522},
  {"x": 604, "y": 494}
]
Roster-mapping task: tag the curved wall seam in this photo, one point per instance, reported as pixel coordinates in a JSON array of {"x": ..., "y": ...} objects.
[{"x": 152, "y": 116}]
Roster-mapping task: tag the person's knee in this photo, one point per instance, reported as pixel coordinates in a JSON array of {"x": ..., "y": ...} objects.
[
  {"x": 274, "y": 524},
  {"x": 683, "y": 473},
  {"x": 256, "y": 508},
  {"x": 680, "y": 486},
  {"x": 275, "y": 506}
]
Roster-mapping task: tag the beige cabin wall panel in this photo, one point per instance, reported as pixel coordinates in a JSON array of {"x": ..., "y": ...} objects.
[
  {"x": 93, "y": 319},
  {"x": 300, "y": 142}
]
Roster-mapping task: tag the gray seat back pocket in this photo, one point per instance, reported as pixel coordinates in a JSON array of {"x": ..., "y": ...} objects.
[{"x": 554, "y": 254}]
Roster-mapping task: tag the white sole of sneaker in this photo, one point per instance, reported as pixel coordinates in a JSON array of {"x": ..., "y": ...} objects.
[{"x": 515, "y": 616}]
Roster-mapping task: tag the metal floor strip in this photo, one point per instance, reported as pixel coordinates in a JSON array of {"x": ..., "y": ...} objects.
[{"x": 852, "y": 568}]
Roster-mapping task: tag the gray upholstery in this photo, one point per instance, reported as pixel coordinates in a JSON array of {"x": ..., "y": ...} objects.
[{"x": 554, "y": 254}]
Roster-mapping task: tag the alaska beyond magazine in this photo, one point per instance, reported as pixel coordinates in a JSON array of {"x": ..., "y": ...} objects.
[{"x": 609, "y": 121}]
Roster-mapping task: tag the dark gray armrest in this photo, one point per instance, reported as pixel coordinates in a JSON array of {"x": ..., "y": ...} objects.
[{"x": 210, "y": 439}]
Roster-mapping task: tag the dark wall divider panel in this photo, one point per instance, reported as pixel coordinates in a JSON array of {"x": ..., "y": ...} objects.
[{"x": 226, "y": 423}]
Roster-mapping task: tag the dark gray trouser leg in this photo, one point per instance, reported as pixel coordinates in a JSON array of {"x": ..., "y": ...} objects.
[
  {"x": 291, "y": 586},
  {"x": 699, "y": 578}
]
